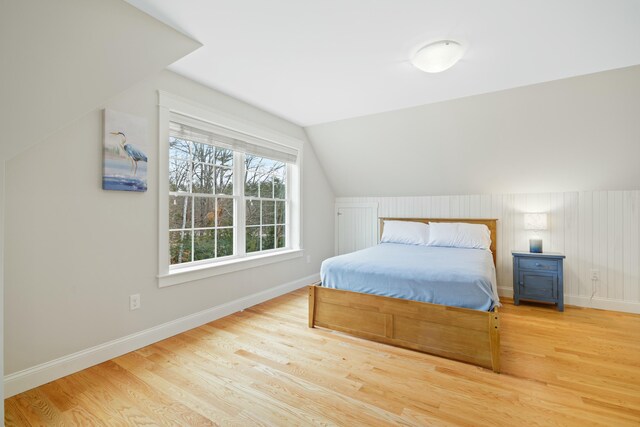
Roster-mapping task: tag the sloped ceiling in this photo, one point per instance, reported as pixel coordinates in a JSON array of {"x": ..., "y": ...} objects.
[
  {"x": 318, "y": 61},
  {"x": 63, "y": 58},
  {"x": 581, "y": 133}
]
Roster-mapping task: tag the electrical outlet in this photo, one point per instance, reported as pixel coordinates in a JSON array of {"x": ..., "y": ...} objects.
[
  {"x": 134, "y": 302},
  {"x": 308, "y": 259},
  {"x": 595, "y": 275}
]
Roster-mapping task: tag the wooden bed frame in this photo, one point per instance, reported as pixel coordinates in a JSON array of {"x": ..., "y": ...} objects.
[{"x": 463, "y": 334}]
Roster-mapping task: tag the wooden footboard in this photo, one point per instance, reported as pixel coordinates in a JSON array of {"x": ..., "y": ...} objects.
[{"x": 462, "y": 334}]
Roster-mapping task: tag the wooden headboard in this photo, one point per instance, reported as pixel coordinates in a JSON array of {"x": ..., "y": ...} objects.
[{"x": 490, "y": 223}]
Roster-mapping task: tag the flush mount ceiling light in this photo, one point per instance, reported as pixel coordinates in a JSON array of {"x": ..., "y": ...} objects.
[{"x": 438, "y": 56}]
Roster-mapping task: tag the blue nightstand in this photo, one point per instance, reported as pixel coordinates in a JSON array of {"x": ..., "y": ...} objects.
[{"x": 538, "y": 277}]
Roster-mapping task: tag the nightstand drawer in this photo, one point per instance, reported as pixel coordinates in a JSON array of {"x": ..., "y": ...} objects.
[
  {"x": 538, "y": 264},
  {"x": 538, "y": 285}
]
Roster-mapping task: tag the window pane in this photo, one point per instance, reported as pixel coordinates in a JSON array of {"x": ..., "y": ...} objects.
[
  {"x": 280, "y": 236},
  {"x": 266, "y": 186},
  {"x": 179, "y": 149},
  {"x": 204, "y": 244},
  {"x": 279, "y": 187},
  {"x": 203, "y": 153},
  {"x": 250, "y": 184},
  {"x": 225, "y": 212},
  {"x": 180, "y": 246},
  {"x": 225, "y": 242},
  {"x": 280, "y": 168},
  {"x": 253, "y": 239},
  {"x": 280, "y": 212},
  {"x": 253, "y": 212},
  {"x": 202, "y": 179},
  {"x": 251, "y": 177},
  {"x": 204, "y": 209},
  {"x": 251, "y": 162},
  {"x": 178, "y": 175},
  {"x": 224, "y": 157},
  {"x": 268, "y": 212},
  {"x": 267, "y": 166},
  {"x": 224, "y": 181},
  {"x": 268, "y": 240},
  {"x": 275, "y": 168},
  {"x": 179, "y": 212}
]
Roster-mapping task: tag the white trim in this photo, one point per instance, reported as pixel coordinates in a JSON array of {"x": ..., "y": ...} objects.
[
  {"x": 202, "y": 271},
  {"x": 239, "y": 242},
  {"x": 603, "y": 303},
  {"x": 294, "y": 195},
  {"x": 505, "y": 292},
  {"x": 225, "y": 137},
  {"x": 163, "y": 190},
  {"x": 206, "y": 113},
  {"x": 586, "y": 302},
  {"x": 49, "y": 371}
]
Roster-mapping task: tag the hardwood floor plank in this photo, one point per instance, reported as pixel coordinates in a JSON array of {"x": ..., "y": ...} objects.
[
  {"x": 61, "y": 393},
  {"x": 171, "y": 411},
  {"x": 232, "y": 382},
  {"x": 80, "y": 416},
  {"x": 13, "y": 416},
  {"x": 182, "y": 388},
  {"x": 104, "y": 400},
  {"x": 37, "y": 409},
  {"x": 264, "y": 366}
]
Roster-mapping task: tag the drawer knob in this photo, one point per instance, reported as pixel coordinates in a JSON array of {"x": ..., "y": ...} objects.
[
  {"x": 538, "y": 264},
  {"x": 521, "y": 283}
]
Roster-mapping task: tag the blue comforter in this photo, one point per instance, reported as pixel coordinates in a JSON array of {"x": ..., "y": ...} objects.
[{"x": 448, "y": 276}]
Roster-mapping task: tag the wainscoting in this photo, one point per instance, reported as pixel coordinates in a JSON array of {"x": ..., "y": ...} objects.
[{"x": 596, "y": 230}]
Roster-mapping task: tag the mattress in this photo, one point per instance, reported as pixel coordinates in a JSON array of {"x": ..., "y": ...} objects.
[{"x": 448, "y": 276}]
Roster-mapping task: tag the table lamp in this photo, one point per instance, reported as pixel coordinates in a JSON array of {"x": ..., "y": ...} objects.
[{"x": 535, "y": 222}]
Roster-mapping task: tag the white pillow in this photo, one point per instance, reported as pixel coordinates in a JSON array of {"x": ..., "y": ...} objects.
[
  {"x": 407, "y": 232},
  {"x": 459, "y": 235}
]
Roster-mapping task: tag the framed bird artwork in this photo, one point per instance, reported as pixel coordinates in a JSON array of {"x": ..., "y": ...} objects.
[{"x": 125, "y": 152}]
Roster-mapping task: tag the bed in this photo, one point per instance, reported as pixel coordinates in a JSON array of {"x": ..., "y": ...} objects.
[{"x": 437, "y": 300}]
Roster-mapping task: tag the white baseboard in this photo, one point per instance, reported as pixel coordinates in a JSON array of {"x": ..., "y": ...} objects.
[
  {"x": 49, "y": 371},
  {"x": 505, "y": 292},
  {"x": 595, "y": 302},
  {"x": 603, "y": 303}
]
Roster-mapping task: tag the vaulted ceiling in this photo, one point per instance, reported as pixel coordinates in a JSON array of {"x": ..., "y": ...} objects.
[{"x": 320, "y": 61}]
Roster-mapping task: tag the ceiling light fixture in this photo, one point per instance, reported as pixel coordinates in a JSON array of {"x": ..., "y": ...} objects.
[{"x": 438, "y": 56}]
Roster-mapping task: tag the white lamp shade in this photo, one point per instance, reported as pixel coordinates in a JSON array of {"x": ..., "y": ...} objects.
[
  {"x": 535, "y": 221},
  {"x": 438, "y": 56}
]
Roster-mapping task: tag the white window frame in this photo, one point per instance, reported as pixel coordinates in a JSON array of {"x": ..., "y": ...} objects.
[{"x": 172, "y": 275}]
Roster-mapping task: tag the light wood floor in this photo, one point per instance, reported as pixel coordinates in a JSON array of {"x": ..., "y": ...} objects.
[{"x": 264, "y": 366}]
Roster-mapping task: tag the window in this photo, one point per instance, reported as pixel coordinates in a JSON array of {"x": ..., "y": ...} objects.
[
  {"x": 265, "y": 192},
  {"x": 201, "y": 213},
  {"x": 230, "y": 197}
]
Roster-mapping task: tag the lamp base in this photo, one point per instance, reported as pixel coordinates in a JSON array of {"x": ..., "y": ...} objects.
[{"x": 535, "y": 246}]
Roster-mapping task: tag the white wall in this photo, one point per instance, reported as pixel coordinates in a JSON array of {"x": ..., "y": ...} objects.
[
  {"x": 595, "y": 230},
  {"x": 74, "y": 253},
  {"x": 581, "y": 133},
  {"x": 61, "y": 58}
]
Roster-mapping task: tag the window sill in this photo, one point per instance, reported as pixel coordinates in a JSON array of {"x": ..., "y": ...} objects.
[{"x": 190, "y": 274}]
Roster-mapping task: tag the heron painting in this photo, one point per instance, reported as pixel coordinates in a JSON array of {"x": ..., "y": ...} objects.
[{"x": 125, "y": 158}]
